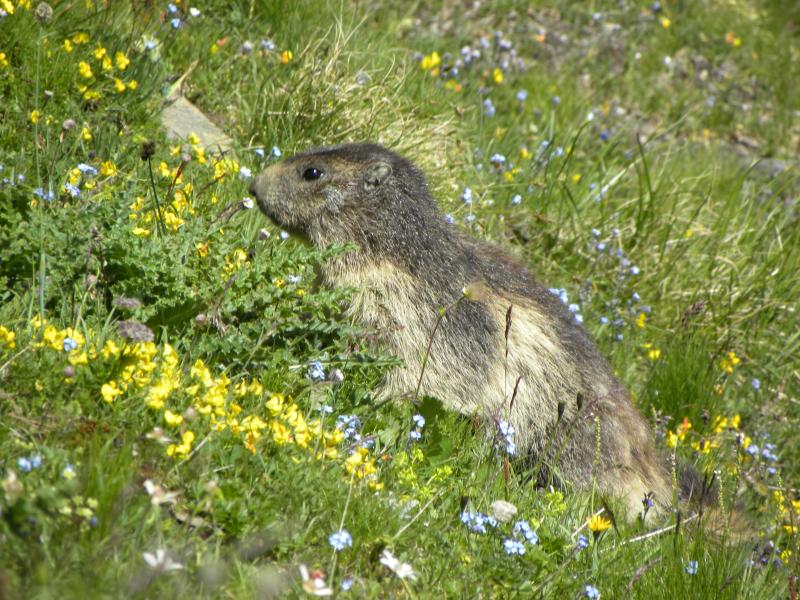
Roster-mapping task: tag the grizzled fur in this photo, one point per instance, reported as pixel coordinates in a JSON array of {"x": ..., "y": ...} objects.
[{"x": 410, "y": 262}]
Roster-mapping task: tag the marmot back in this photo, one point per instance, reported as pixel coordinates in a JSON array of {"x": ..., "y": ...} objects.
[{"x": 410, "y": 262}]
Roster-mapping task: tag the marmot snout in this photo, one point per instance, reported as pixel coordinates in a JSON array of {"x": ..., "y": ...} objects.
[{"x": 409, "y": 262}]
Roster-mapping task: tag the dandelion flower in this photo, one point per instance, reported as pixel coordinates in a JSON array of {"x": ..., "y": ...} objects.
[{"x": 598, "y": 524}]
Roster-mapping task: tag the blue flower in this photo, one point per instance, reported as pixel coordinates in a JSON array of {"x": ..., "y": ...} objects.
[
  {"x": 477, "y": 522},
  {"x": 259, "y": 152},
  {"x": 268, "y": 45},
  {"x": 245, "y": 173},
  {"x": 497, "y": 160},
  {"x": 469, "y": 218},
  {"x": 635, "y": 297},
  {"x": 450, "y": 219},
  {"x": 346, "y": 584},
  {"x": 604, "y": 135},
  {"x": 634, "y": 270},
  {"x": 600, "y": 247},
  {"x": 340, "y": 540},
  {"x": 691, "y": 567},
  {"x": 176, "y": 22},
  {"x": 415, "y": 435},
  {"x": 556, "y": 100},
  {"x": 488, "y": 108},
  {"x": 752, "y": 450},
  {"x": 419, "y": 421},
  {"x": 517, "y": 199},
  {"x": 48, "y": 196},
  {"x": 87, "y": 169},
  {"x": 73, "y": 190},
  {"x": 284, "y": 235},
  {"x": 524, "y": 528},
  {"x": 466, "y": 196},
  {"x": 36, "y": 461},
  {"x": 603, "y": 320},
  {"x": 513, "y": 547},
  {"x": 583, "y": 542},
  {"x": 70, "y": 344},
  {"x": 24, "y": 464},
  {"x": 172, "y": 8},
  {"x": 755, "y": 383},
  {"x": 522, "y": 95},
  {"x": 276, "y": 152},
  {"x": 315, "y": 371},
  {"x": 591, "y": 592},
  {"x": 506, "y": 432}
]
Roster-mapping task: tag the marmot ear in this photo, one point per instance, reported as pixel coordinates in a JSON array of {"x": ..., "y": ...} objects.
[{"x": 376, "y": 173}]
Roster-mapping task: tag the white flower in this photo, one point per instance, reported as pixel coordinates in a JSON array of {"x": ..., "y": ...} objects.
[
  {"x": 401, "y": 569},
  {"x": 503, "y": 511},
  {"x": 314, "y": 582},
  {"x": 161, "y": 562},
  {"x": 158, "y": 495}
]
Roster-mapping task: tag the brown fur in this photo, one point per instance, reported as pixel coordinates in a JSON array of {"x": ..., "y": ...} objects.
[{"x": 410, "y": 262}]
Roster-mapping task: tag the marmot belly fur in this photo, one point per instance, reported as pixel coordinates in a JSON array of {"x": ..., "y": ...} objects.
[{"x": 410, "y": 262}]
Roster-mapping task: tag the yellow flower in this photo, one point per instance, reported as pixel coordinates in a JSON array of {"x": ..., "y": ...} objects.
[
  {"x": 672, "y": 439},
  {"x": 132, "y": 84},
  {"x": 122, "y": 61},
  {"x": 35, "y": 116},
  {"x": 286, "y": 56},
  {"x": 730, "y": 362},
  {"x": 654, "y": 354},
  {"x": 99, "y": 52},
  {"x": 172, "y": 220},
  {"x": 641, "y": 320},
  {"x": 280, "y": 434},
  {"x": 733, "y": 40},
  {"x": 275, "y": 404},
  {"x": 665, "y": 22},
  {"x": 8, "y": 338},
  {"x": 183, "y": 449},
  {"x": 3, "y": 60},
  {"x": 108, "y": 168},
  {"x": 86, "y": 134},
  {"x": 172, "y": 419},
  {"x": 497, "y": 76},
  {"x": 7, "y": 6},
  {"x": 80, "y": 38},
  {"x": 85, "y": 69},
  {"x": 598, "y": 524},
  {"x": 430, "y": 61},
  {"x": 78, "y": 358},
  {"x": 119, "y": 85},
  {"x": 140, "y": 232},
  {"x": 107, "y": 64},
  {"x": 576, "y": 178},
  {"x": 109, "y": 391}
]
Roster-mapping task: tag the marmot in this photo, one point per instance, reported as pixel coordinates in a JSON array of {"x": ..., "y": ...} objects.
[{"x": 410, "y": 262}]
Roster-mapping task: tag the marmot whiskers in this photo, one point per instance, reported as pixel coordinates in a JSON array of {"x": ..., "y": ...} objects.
[{"x": 410, "y": 262}]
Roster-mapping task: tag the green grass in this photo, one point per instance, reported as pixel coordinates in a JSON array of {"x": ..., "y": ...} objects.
[{"x": 668, "y": 175}]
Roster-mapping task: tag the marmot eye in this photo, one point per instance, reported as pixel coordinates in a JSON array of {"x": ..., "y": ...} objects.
[{"x": 312, "y": 173}]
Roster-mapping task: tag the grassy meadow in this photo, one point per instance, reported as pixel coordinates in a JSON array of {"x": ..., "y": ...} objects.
[{"x": 184, "y": 413}]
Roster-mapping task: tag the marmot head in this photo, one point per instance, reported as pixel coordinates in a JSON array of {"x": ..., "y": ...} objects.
[{"x": 358, "y": 193}]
